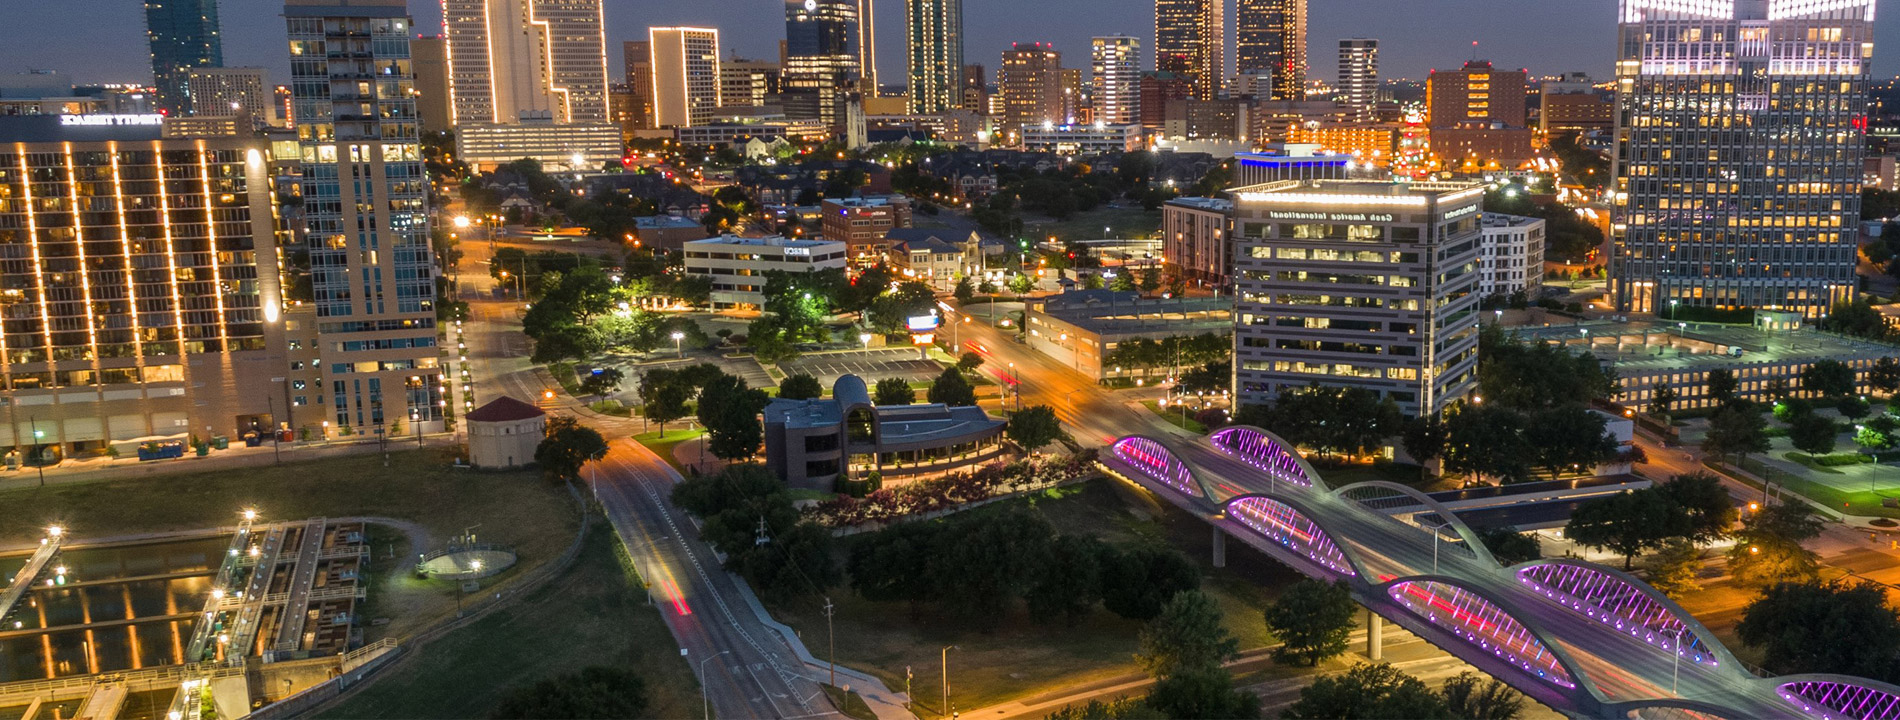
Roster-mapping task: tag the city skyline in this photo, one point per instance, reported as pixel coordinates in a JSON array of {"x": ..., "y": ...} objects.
[{"x": 1412, "y": 43}]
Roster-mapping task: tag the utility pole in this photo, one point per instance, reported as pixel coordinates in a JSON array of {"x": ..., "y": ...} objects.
[{"x": 832, "y": 640}]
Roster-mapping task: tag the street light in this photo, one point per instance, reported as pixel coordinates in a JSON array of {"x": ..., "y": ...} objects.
[
  {"x": 866, "y": 339},
  {"x": 462, "y": 222},
  {"x": 677, "y": 351},
  {"x": 1436, "y": 539},
  {"x": 706, "y": 704},
  {"x": 945, "y": 660}
]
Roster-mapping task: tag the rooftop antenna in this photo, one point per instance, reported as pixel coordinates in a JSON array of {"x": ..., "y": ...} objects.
[{"x": 1474, "y": 51}]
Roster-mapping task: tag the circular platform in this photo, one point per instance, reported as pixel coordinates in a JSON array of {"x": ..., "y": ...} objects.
[{"x": 467, "y": 564}]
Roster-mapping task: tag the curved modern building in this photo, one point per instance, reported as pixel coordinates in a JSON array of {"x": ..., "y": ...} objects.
[{"x": 812, "y": 443}]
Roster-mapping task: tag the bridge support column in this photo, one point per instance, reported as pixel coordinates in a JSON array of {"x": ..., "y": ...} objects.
[
  {"x": 1220, "y": 548},
  {"x": 1375, "y": 636}
]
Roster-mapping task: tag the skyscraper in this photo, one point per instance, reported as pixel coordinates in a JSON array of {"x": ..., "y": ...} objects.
[
  {"x": 1190, "y": 41},
  {"x": 824, "y": 56},
  {"x": 514, "y": 60},
  {"x": 1359, "y": 75},
  {"x": 1477, "y": 116},
  {"x": 1740, "y": 137},
  {"x": 183, "y": 35},
  {"x": 639, "y": 57},
  {"x": 430, "y": 58},
  {"x": 1031, "y": 84},
  {"x": 1270, "y": 37},
  {"x": 365, "y": 213},
  {"x": 685, "y": 75},
  {"x": 1116, "y": 66},
  {"x": 976, "y": 89},
  {"x": 231, "y": 91},
  {"x": 933, "y": 44}
]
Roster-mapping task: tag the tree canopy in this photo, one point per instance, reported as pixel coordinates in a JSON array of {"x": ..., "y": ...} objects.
[
  {"x": 568, "y": 447},
  {"x": 1824, "y": 627},
  {"x": 1313, "y": 620}
]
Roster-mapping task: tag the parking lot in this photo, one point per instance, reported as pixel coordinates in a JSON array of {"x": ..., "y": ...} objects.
[{"x": 872, "y": 365}]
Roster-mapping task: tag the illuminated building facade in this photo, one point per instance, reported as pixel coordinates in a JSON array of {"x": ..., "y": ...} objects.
[
  {"x": 139, "y": 290},
  {"x": 511, "y": 60},
  {"x": 232, "y": 91},
  {"x": 1031, "y": 85},
  {"x": 1270, "y": 38},
  {"x": 685, "y": 72},
  {"x": 371, "y": 315},
  {"x": 1116, "y": 72},
  {"x": 933, "y": 44},
  {"x": 1189, "y": 41},
  {"x": 1359, "y": 75},
  {"x": 639, "y": 58},
  {"x": 823, "y": 57},
  {"x": 1357, "y": 284},
  {"x": 1740, "y": 135}
]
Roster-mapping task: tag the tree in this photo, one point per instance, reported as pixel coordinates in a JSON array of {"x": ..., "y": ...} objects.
[
  {"x": 893, "y": 391},
  {"x": 594, "y": 692},
  {"x": 969, "y": 362},
  {"x": 1509, "y": 546},
  {"x": 1529, "y": 377},
  {"x": 1768, "y": 548},
  {"x": 1203, "y": 694},
  {"x": 730, "y": 412},
  {"x": 1885, "y": 375},
  {"x": 1424, "y": 438},
  {"x": 1068, "y": 581},
  {"x": 1737, "y": 429},
  {"x": 1313, "y": 620},
  {"x": 965, "y": 291},
  {"x": 1568, "y": 437},
  {"x": 1186, "y": 636},
  {"x": 1702, "y": 503},
  {"x": 1722, "y": 385},
  {"x": 1136, "y": 583},
  {"x": 1830, "y": 627},
  {"x": 602, "y": 381},
  {"x": 1487, "y": 440},
  {"x": 1828, "y": 378},
  {"x": 1672, "y": 570},
  {"x": 1150, "y": 279},
  {"x": 1877, "y": 434},
  {"x": 800, "y": 387},
  {"x": 951, "y": 389},
  {"x": 1852, "y": 407},
  {"x": 893, "y": 564},
  {"x": 1812, "y": 434},
  {"x": 1662, "y": 397},
  {"x": 568, "y": 446},
  {"x": 989, "y": 559},
  {"x": 1124, "y": 282},
  {"x": 663, "y": 397},
  {"x": 1627, "y": 523},
  {"x": 1033, "y": 427},
  {"x": 1022, "y": 284},
  {"x": 1472, "y": 697},
  {"x": 770, "y": 343},
  {"x": 1368, "y": 692}
]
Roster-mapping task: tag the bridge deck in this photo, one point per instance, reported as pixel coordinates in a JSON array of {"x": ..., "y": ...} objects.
[{"x": 23, "y": 580}]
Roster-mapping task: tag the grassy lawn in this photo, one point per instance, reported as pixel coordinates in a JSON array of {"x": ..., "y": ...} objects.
[
  {"x": 510, "y": 508},
  {"x": 594, "y": 615},
  {"x": 1852, "y": 502},
  {"x": 663, "y": 446},
  {"x": 1017, "y": 658},
  {"x": 1175, "y": 418},
  {"x": 1123, "y": 222}
]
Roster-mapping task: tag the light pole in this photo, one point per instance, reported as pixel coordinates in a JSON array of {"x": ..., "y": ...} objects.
[
  {"x": 865, "y": 339},
  {"x": 678, "y": 352},
  {"x": 1435, "y": 542},
  {"x": 1016, "y": 386},
  {"x": 1675, "y": 666},
  {"x": 945, "y": 660},
  {"x": 704, "y": 702}
]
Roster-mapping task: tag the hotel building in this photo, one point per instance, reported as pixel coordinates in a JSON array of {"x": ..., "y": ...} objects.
[
  {"x": 511, "y": 60},
  {"x": 685, "y": 71},
  {"x": 1357, "y": 284}
]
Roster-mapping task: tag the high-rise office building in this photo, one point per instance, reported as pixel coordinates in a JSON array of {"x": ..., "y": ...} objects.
[
  {"x": 1357, "y": 284},
  {"x": 430, "y": 58},
  {"x": 1157, "y": 89},
  {"x": 1740, "y": 136},
  {"x": 514, "y": 60},
  {"x": 1115, "y": 63},
  {"x": 1190, "y": 41},
  {"x": 1270, "y": 38},
  {"x": 748, "y": 83},
  {"x": 685, "y": 64},
  {"x": 824, "y": 57},
  {"x": 183, "y": 35},
  {"x": 365, "y": 215},
  {"x": 1477, "y": 117},
  {"x": 867, "y": 48},
  {"x": 141, "y": 288},
  {"x": 933, "y": 44},
  {"x": 639, "y": 58},
  {"x": 1031, "y": 85},
  {"x": 1075, "y": 102},
  {"x": 1358, "y": 84},
  {"x": 975, "y": 89},
  {"x": 244, "y": 92}
]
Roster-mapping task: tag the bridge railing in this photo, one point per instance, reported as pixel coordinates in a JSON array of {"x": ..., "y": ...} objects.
[
  {"x": 1623, "y": 603},
  {"x": 1286, "y": 525}
]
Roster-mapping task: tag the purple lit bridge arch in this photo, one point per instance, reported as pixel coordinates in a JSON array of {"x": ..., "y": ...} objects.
[
  {"x": 1286, "y": 521},
  {"x": 1265, "y": 452},
  {"x": 1161, "y": 461},
  {"x": 1489, "y": 623},
  {"x": 1840, "y": 697},
  {"x": 1401, "y": 498},
  {"x": 1622, "y": 601}
]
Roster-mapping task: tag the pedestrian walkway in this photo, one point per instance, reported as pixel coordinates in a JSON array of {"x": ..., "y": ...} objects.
[
  {"x": 123, "y": 468},
  {"x": 49, "y": 547}
]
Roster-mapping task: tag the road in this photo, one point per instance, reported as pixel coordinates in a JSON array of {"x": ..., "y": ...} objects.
[{"x": 747, "y": 670}]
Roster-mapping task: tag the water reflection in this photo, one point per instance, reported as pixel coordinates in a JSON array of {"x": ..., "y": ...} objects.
[{"x": 105, "y": 625}]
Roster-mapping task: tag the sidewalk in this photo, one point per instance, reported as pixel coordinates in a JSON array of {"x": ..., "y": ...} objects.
[{"x": 99, "y": 469}]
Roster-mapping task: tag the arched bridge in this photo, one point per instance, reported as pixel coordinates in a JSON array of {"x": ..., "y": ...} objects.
[{"x": 1586, "y": 639}]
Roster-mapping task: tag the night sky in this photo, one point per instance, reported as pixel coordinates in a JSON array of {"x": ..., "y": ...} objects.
[{"x": 104, "y": 40}]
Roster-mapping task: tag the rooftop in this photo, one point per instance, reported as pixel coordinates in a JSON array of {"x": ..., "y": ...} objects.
[
  {"x": 871, "y": 201},
  {"x": 774, "y": 241},
  {"x": 933, "y": 245},
  {"x": 1492, "y": 220},
  {"x": 1203, "y": 203},
  {"x": 1643, "y": 346},
  {"x": 1365, "y": 191},
  {"x": 658, "y": 222},
  {"x": 505, "y": 409}
]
